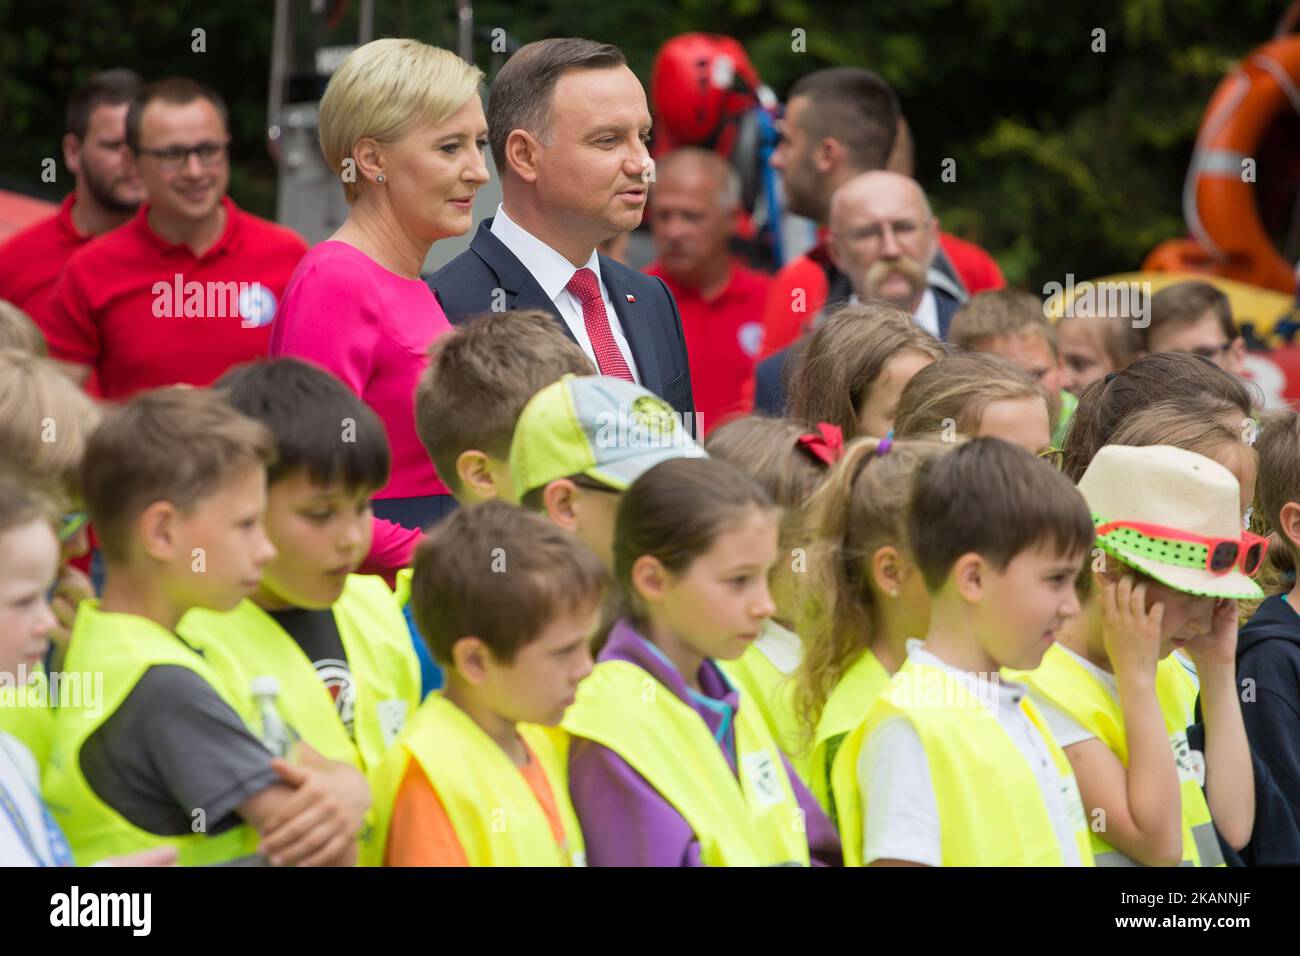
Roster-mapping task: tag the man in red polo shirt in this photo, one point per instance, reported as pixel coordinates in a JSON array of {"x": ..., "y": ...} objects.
[
  {"x": 692, "y": 207},
  {"x": 107, "y": 193},
  {"x": 190, "y": 286}
]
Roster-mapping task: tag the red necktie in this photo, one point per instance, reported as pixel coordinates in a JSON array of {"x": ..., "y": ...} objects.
[{"x": 585, "y": 287}]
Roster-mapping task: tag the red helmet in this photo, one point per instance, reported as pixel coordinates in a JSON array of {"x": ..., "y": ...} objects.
[{"x": 700, "y": 86}]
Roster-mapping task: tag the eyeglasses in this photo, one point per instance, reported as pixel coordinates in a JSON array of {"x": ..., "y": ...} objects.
[
  {"x": 903, "y": 230},
  {"x": 1175, "y": 546},
  {"x": 173, "y": 158},
  {"x": 70, "y": 524},
  {"x": 1053, "y": 456}
]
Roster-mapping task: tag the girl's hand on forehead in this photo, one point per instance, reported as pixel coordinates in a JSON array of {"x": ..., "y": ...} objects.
[
  {"x": 1218, "y": 645},
  {"x": 1131, "y": 633}
]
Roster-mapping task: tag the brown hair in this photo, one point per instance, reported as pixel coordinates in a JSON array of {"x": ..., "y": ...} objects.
[
  {"x": 1278, "y": 482},
  {"x": 861, "y": 508},
  {"x": 18, "y": 331},
  {"x": 674, "y": 511},
  {"x": 501, "y": 574},
  {"x": 846, "y": 355},
  {"x": 1113, "y": 334},
  {"x": 523, "y": 92},
  {"x": 174, "y": 444},
  {"x": 480, "y": 377},
  {"x": 854, "y": 106},
  {"x": 995, "y": 313},
  {"x": 1166, "y": 376},
  {"x": 107, "y": 88},
  {"x": 958, "y": 388},
  {"x": 177, "y": 90},
  {"x": 45, "y": 423},
  {"x": 1185, "y": 302},
  {"x": 993, "y": 499}
]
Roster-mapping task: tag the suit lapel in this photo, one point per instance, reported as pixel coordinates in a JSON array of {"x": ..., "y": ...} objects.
[
  {"x": 636, "y": 327},
  {"x": 521, "y": 290}
]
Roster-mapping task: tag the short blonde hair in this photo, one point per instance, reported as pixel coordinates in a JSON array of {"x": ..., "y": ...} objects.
[
  {"x": 385, "y": 88},
  {"x": 959, "y": 388},
  {"x": 45, "y": 423},
  {"x": 18, "y": 331}
]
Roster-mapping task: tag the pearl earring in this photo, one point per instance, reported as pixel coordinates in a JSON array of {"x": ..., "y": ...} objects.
[
  {"x": 893, "y": 593},
  {"x": 379, "y": 178}
]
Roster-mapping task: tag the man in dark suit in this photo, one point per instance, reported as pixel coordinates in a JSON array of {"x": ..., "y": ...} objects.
[
  {"x": 568, "y": 124},
  {"x": 884, "y": 242}
]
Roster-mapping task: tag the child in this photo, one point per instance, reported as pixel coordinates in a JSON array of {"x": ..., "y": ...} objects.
[
  {"x": 160, "y": 753},
  {"x": 18, "y": 331},
  {"x": 45, "y": 421},
  {"x": 1268, "y": 647},
  {"x": 1094, "y": 345},
  {"x": 953, "y": 765},
  {"x": 1169, "y": 376},
  {"x": 313, "y": 623},
  {"x": 787, "y": 461},
  {"x": 508, "y": 603},
  {"x": 1195, "y": 317},
  {"x": 970, "y": 394},
  {"x": 29, "y": 557},
  {"x": 581, "y": 441},
  {"x": 1174, "y": 561},
  {"x": 855, "y": 366},
  {"x": 670, "y": 765},
  {"x": 480, "y": 377},
  {"x": 863, "y": 599},
  {"x": 1011, "y": 323}
]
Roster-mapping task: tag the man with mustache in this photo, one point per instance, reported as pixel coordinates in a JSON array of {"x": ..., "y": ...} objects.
[
  {"x": 568, "y": 124},
  {"x": 106, "y": 193},
  {"x": 884, "y": 239}
]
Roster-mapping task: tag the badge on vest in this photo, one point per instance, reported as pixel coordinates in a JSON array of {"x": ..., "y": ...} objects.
[
  {"x": 760, "y": 770},
  {"x": 1190, "y": 763},
  {"x": 392, "y": 718},
  {"x": 1073, "y": 802}
]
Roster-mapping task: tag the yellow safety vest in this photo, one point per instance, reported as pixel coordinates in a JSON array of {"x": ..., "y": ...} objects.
[
  {"x": 990, "y": 806},
  {"x": 764, "y": 675},
  {"x": 751, "y": 821},
  {"x": 494, "y": 812},
  {"x": 847, "y": 707},
  {"x": 122, "y": 647},
  {"x": 26, "y": 714},
  {"x": 1065, "y": 682},
  {"x": 247, "y": 642}
]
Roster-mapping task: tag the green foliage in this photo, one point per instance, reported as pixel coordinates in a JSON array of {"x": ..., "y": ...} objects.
[{"x": 1068, "y": 160}]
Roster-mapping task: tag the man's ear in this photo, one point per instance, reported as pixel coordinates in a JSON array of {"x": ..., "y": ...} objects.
[
  {"x": 835, "y": 249},
  {"x": 1289, "y": 519},
  {"x": 475, "y": 476},
  {"x": 650, "y": 579},
  {"x": 969, "y": 575},
  {"x": 560, "y": 499},
  {"x": 1237, "y": 354},
  {"x": 157, "y": 528},
  {"x": 827, "y": 154},
  {"x": 523, "y": 154},
  {"x": 72, "y": 153},
  {"x": 471, "y": 657}
]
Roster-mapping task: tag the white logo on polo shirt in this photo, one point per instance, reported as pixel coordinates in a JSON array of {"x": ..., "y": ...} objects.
[
  {"x": 256, "y": 305},
  {"x": 750, "y": 338}
]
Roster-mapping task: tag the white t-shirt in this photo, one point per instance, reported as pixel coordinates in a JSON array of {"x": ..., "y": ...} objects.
[
  {"x": 20, "y": 777},
  {"x": 902, "y": 817}
]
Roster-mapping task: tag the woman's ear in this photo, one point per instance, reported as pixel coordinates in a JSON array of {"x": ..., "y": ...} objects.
[
  {"x": 560, "y": 500},
  {"x": 369, "y": 159},
  {"x": 888, "y": 570},
  {"x": 470, "y": 657},
  {"x": 650, "y": 579},
  {"x": 968, "y": 574}
]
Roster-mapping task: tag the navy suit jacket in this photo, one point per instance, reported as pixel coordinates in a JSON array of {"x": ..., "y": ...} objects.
[
  {"x": 769, "y": 378},
  {"x": 467, "y": 286}
]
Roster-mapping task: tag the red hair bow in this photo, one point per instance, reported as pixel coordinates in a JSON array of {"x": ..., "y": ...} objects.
[{"x": 826, "y": 444}]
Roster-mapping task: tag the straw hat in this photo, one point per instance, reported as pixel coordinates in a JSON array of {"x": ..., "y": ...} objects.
[{"x": 1160, "y": 485}]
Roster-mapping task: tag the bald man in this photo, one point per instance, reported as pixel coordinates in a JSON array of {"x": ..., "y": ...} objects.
[
  {"x": 884, "y": 239},
  {"x": 693, "y": 203}
]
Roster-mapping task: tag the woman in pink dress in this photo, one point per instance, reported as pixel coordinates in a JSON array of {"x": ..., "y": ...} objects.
[{"x": 403, "y": 124}]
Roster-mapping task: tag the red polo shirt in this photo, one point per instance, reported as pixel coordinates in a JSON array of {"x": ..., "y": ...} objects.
[
  {"x": 144, "y": 312},
  {"x": 723, "y": 338},
  {"x": 32, "y": 259}
]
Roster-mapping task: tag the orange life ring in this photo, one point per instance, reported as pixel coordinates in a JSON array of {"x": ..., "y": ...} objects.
[{"x": 1218, "y": 201}]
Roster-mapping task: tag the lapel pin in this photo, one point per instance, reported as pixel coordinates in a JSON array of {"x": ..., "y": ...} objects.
[{"x": 630, "y": 296}]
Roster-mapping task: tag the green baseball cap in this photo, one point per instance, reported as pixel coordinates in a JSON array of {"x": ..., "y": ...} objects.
[{"x": 606, "y": 428}]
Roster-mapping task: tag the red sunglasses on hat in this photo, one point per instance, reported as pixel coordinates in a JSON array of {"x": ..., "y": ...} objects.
[{"x": 1222, "y": 554}]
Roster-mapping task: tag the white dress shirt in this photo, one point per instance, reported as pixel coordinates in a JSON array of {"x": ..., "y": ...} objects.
[
  {"x": 926, "y": 314},
  {"x": 553, "y": 272}
]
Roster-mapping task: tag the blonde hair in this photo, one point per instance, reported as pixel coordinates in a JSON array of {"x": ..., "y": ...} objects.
[
  {"x": 957, "y": 389},
  {"x": 45, "y": 422},
  {"x": 18, "y": 331},
  {"x": 383, "y": 90},
  {"x": 860, "y": 508}
]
